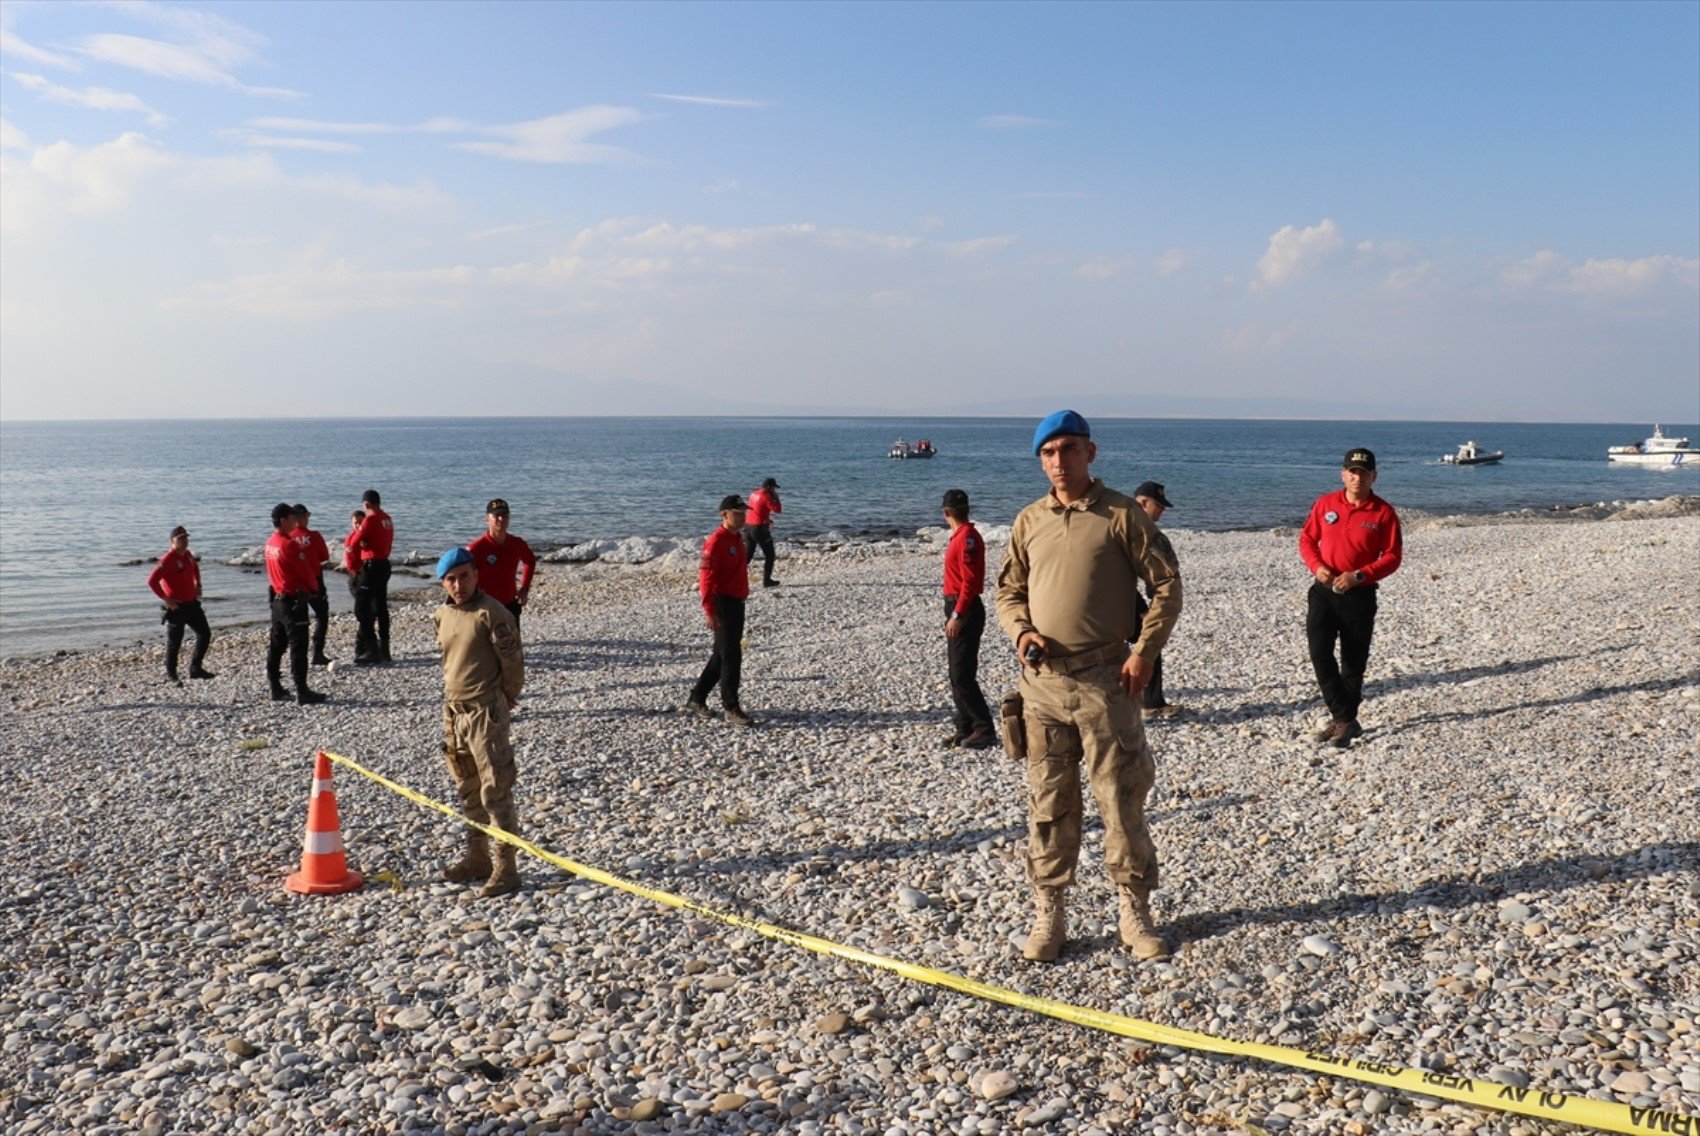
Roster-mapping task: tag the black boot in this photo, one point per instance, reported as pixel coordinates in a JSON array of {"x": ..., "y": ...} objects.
[{"x": 279, "y": 694}]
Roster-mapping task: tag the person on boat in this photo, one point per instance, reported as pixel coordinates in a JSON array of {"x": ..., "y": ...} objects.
[
  {"x": 320, "y": 601},
  {"x": 1065, "y": 598},
  {"x": 1151, "y": 499},
  {"x": 176, "y": 580},
  {"x": 506, "y": 563},
  {"x": 764, "y": 504},
  {"x": 372, "y": 583},
  {"x": 1350, "y": 542},
  {"x": 723, "y": 580},
  {"x": 965, "y": 623}
]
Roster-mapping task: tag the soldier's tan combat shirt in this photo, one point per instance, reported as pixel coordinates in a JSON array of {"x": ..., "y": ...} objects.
[
  {"x": 1071, "y": 573},
  {"x": 481, "y": 650}
]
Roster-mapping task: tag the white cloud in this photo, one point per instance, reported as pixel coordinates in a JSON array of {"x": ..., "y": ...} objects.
[
  {"x": 11, "y": 138},
  {"x": 724, "y": 185},
  {"x": 505, "y": 230},
  {"x": 258, "y": 141},
  {"x": 1172, "y": 262},
  {"x": 1014, "y": 122},
  {"x": 92, "y": 98},
  {"x": 313, "y": 126},
  {"x": 710, "y": 100},
  {"x": 1615, "y": 276},
  {"x": 1295, "y": 252},
  {"x": 11, "y": 44},
  {"x": 205, "y": 48},
  {"x": 978, "y": 245},
  {"x": 560, "y": 138},
  {"x": 1104, "y": 267}
]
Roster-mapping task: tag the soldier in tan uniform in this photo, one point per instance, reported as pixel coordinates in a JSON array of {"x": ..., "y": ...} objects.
[
  {"x": 1067, "y": 599},
  {"x": 483, "y": 671}
]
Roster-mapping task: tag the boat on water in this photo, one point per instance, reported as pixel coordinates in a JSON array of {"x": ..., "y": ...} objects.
[
  {"x": 1471, "y": 454},
  {"x": 1657, "y": 450},
  {"x": 903, "y": 451}
]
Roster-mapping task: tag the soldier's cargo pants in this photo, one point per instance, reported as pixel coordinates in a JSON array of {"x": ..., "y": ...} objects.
[
  {"x": 481, "y": 760},
  {"x": 1086, "y": 717}
]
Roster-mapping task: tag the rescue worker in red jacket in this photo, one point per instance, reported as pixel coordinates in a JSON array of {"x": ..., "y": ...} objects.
[
  {"x": 289, "y": 570},
  {"x": 501, "y": 557},
  {"x": 320, "y": 601},
  {"x": 724, "y": 582},
  {"x": 351, "y": 550},
  {"x": 758, "y": 532},
  {"x": 176, "y": 580},
  {"x": 965, "y": 623},
  {"x": 372, "y": 584},
  {"x": 1350, "y": 542}
]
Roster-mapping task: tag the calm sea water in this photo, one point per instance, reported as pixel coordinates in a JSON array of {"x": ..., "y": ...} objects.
[{"x": 80, "y": 502}]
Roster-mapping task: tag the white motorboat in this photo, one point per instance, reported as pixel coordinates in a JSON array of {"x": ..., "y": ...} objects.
[
  {"x": 1656, "y": 451},
  {"x": 1471, "y": 454},
  {"x": 903, "y": 450}
]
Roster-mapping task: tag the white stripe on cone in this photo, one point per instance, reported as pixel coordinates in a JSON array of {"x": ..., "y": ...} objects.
[
  {"x": 321, "y": 843},
  {"x": 321, "y": 787}
]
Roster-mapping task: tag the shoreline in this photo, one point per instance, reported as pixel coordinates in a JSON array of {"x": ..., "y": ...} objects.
[{"x": 1499, "y": 881}]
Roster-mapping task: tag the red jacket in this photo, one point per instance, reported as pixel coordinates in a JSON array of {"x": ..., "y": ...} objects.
[
  {"x": 289, "y": 564},
  {"x": 1352, "y": 538},
  {"x": 351, "y": 551},
  {"x": 965, "y": 566},
  {"x": 176, "y": 578},
  {"x": 316, "y": 548},
  {"x": 762, "y": 506},
  {"x": 498, "y": 564},
  {"x": 376, "y": 535},
  {"x": 723, "y": 571}
]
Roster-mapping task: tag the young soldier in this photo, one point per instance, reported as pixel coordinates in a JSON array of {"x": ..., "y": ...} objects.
[
  {"x": 724, "y": 581},
  {"x": 320, "y": 601},
  {"x": 1066, "y": 599},
  {"x": 483, "y": 672},
  {"x": 965, "y": 622},
  {"x": 764, "y": 504},
  {"x": 290, "y": 574},
  {"x": 1350, "y": 543},
  {"x": 500, "y": 556},
  {"x": 176, "y": 580},
  {"x": 372, "y": 584}
]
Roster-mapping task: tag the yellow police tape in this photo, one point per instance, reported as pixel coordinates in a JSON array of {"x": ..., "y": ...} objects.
[{"x": 1605, "y": 1116}]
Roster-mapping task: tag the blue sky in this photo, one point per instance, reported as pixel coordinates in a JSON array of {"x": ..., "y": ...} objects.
[{"x": 1402, "y": 210}]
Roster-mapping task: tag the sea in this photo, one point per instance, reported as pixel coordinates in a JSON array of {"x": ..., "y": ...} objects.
[{"x": 85, "y": 507}]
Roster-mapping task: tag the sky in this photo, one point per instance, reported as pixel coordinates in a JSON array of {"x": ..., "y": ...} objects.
[{"x": 1440, "y": 211}]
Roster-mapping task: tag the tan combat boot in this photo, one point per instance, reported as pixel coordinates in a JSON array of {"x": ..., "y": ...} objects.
[
  {"x": 1050, "y": 925},
  {"x": 1138, "y": 929},
  {"x": 474, "y": 863},
  {"x": 504, "y": 877}
]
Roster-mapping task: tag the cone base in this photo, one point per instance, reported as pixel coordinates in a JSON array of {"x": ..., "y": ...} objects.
[{"x": 298, "y": 882}]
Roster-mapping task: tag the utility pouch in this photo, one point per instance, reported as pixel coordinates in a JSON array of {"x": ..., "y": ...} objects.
[{"x": 1014, "y": 729}]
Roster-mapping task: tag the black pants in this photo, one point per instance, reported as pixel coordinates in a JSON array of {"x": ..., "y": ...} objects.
[
  {"x": 320, "y": 603},
  {"x": 726, "y": 665},
  {"x": 1151, "y": 698},
  {"x": 515, "y": 608},
  {"x": 972, "y": 713},
  {"x": 760, "y": 536},
  {"x": 289, "y": 631},
  {"x": 372, "y": 611},
  {"x": 191, "y": 616},
  {"x": 1348, "y": 617}
]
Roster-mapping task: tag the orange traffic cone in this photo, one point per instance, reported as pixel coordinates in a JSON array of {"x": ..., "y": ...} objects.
[{"x": 324, "y": 869}]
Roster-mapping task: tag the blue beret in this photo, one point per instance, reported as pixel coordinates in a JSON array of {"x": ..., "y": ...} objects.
[
  {"x": 451, "y": 560},
  {"x": 1062, "y": 422}
]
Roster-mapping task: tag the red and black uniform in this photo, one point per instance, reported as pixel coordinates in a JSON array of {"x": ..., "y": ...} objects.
[
  {"x": 292, "y": 575},
  {"x": 373, "y": 539},
  {"x": 723, "y": 579},
  {"x": 758, "y": 530},
  {"x": 499, "y": 564},
  {"x": 176, "y": 580},
  {"x": 964, "y": 581},
  {"x": 319, "y": 601},
  {"x": 1363, "y": 540}
]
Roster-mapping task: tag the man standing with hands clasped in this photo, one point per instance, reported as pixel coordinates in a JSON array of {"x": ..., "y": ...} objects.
[
  {"x": 964, "y": 623},
  {"x": 1066, "y": 598},
  {"x": 1350, "y": 542}
]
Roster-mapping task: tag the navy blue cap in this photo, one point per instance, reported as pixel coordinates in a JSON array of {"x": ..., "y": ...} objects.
[
  {"x": 1062, "y": 422},
  {"x": 451, "y": 560}
]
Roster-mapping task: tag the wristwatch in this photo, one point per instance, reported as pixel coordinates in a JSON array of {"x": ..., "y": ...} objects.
[{"x": 1360, "y": 575}]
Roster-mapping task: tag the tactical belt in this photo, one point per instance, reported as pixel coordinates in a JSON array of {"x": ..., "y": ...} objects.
[{"x": 1114, "y": 653}]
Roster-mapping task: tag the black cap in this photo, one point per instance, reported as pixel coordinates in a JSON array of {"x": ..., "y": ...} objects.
[
  {"x": 281, "y": 510},
  {"x": 1359, "y": 458},
  {"x": 732, "y": 502},
  {"x": 1153, "y": 490},
  {"x": 956, "y": 500},
  {"x": 497, "y": 505},
  {"x": 179, "y": 531},
  {"x": 770, "y": 484},
  {"x": 302, "y": 511}
]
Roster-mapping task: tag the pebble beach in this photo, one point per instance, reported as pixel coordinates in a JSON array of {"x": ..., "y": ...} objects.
[{"x": 1500, "y": 880}]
